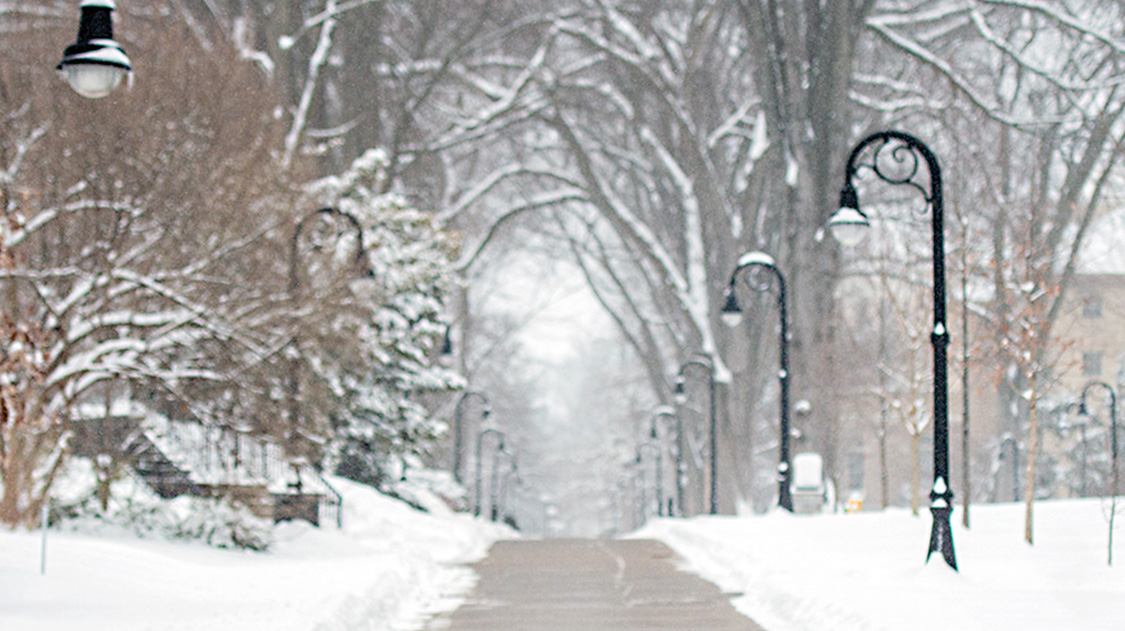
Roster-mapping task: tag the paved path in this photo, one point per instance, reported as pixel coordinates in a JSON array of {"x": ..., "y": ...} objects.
[{"x": 589, "y": 585}]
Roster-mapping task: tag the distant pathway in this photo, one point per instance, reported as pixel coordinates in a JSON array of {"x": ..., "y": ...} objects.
[{"x": 589, "y": 585}]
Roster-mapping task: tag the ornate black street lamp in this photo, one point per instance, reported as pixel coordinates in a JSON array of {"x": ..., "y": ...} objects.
[
  {"x": 458, "y": 427},
  {"x": 480, "y": 450},
  {"x": 95, "y": 64},
  {"x": 848, "y": 226},
  {"x": 1084, "y": 410},
  {"x": 680, "y": 394},
  {"x": 677, "y": 424},
  {"x": 332, "y": 226},
  {"x": 732, "y": 315}
]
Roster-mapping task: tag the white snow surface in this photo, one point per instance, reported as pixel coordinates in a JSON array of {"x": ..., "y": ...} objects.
[
  {"x": 865, "y": 571},
  {"x": 389, "y": 568},
  {"x": 392, "y": 566}
]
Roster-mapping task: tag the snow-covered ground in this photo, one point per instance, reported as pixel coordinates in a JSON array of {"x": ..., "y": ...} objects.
[
  {"x": 865, "y": 571},
  {"x": 391, "y": 566},
  {"x": 386, "y": 570}
]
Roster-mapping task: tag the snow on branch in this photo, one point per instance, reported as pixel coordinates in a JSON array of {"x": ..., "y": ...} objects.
[
  {"x": 882, "y": 26},
  {"x": 329, "y": 14},
  {"x": 698, "y": 303},
  {"x": 1030, "y": 65},
  {"x": 550, "y": 199},
  {"x": 1066, "y": 20},
  {"x": 316, "y": 61},
  {"x": 503, "y": 174}
]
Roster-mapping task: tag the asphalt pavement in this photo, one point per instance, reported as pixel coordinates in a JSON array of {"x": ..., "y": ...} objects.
[{"x": 589, "y": 585}]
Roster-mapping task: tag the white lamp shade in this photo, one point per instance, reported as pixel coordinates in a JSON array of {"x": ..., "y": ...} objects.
[
  {"x": 94, "y": 81},
  {"x": 849, "y": 226}
]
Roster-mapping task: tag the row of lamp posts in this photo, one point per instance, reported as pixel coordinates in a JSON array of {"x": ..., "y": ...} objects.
[
  {"x": 848, "y": 225},
  {"x": 95, "y": 64},
  {"x": 500, "y": 484}
]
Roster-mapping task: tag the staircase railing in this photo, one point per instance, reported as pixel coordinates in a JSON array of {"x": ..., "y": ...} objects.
[{"x": 198, "y": 455}]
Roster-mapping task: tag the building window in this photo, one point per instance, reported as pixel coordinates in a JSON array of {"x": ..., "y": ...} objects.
[
  {"x": 1092, "y": 306},
  {"x": 1091, "y": 364}
]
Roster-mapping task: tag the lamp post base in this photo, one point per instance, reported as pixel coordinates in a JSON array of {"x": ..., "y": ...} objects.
[{"x": 941, "y": 537}]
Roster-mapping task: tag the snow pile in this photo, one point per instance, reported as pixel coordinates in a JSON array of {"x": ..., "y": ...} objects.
[
  {"x": 388, "y": 569},
  {"x": 865, "y": 571}
]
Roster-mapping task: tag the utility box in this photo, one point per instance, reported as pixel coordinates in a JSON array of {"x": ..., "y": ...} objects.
[{"x": 808, "y": 488}]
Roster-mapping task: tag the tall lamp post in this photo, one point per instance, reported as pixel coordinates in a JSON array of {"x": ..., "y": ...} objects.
[
  {"x": 95, "y": 64},
  {"x": 667, "y": 412},
  {"x": 480, "y": 450},
  {"x": 848, "y": 226},
  {"x": 331, "y": 228},
  {"x": 506, "y": 494},
  {"x": 680, "y": 395},
  {"x": 458, "y": 427},
  {"x": 1015, "y": 464},
  {"x": 659, "y": 476},
  {"x": 494, "y": 486},
  {"x": 732, "y": 315},
  {"x": 1084, "y": 410}
]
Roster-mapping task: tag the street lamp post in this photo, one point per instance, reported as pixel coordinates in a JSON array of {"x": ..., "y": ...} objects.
[
  {"x": 334, "y": 223},
  {"x": 458, "y": 427},
  {"x": 1084, "y": 410},
  {"x": 506, "y": 494},
  {"x": 678, "y": 425},
  {"x": 659, "y": 476},
  {"x": 732, "y": 315},
  {"x": 494, "y": 486},
  {"x": 1015, "y": 464},
  {"x": 848, "y": 225},
  {"x": 480, "y": 450},
  {"x": 680, "y": 394},
  {"x": 95, "y": 64}
]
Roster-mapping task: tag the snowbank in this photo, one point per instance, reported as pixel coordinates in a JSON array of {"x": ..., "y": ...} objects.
[
  {"x": 387, "y": 569},
  {"x": 865, "y": 571}
]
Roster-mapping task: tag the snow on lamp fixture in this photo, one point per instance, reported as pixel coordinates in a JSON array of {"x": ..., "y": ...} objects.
[
  {"x": 848, "y": 224},
  {"x": 731, "y": 313},
  {"x": 95, "y": 64},
  {"x": 679, "y": 393}
]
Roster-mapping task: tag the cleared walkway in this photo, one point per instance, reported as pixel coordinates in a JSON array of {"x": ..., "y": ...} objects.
[{"x": 589, "y": 585}]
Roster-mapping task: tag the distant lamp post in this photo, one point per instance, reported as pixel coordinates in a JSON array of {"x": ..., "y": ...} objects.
[
  {"x": 494, "y": 486},
  {"x": 447, "y": 342},
  {"x": 1009, "y": 439},
  {"x": 480, "y": 452},
  {"x": 1084, "y": 410},
  {"x": 506, "y": 494},
  {"x": 732, "y": 316},
  {"x": 95, "y": 64},
  {"x": 848, "y": 226},
  {"x": 667, "y": 412},
  {"x": 331, "y": 228},
  {"x": 658, "y": 476},
  {"x": 680, "y": 395},
  {"x": 458, "y": 427}
]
